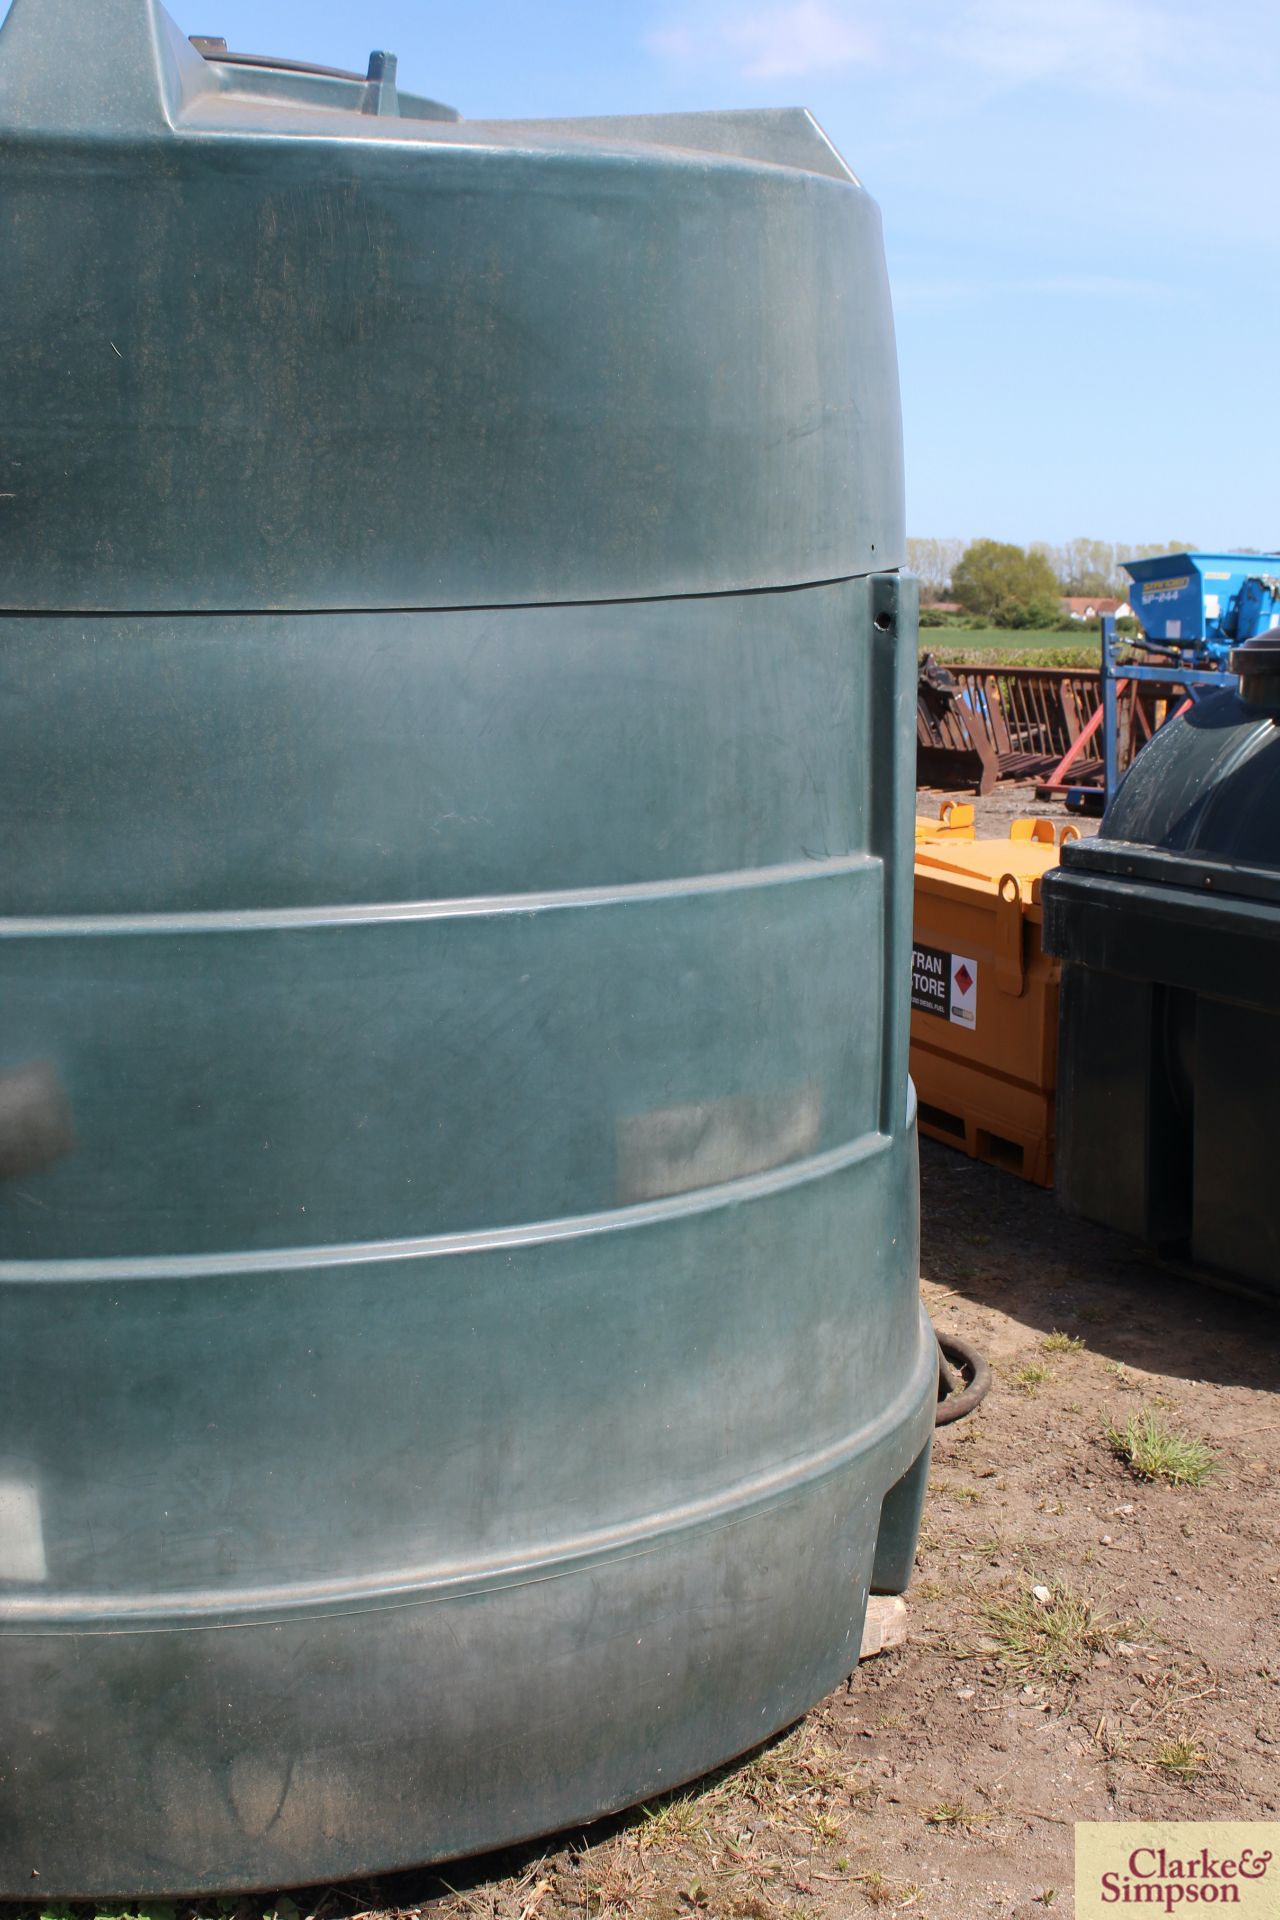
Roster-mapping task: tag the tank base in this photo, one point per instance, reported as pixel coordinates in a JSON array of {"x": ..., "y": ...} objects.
[{"x": 281, "y": 1750}]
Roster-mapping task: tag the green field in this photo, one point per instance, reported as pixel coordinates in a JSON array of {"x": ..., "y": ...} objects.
[{"x": 1005, "y": 646}]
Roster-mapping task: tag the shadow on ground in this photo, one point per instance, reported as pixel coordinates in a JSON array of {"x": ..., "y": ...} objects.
[{"x": 1001, "y": 1243}]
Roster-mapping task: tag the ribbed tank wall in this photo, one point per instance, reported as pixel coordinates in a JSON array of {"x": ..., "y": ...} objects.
[{"x": 459, "y": 1335}]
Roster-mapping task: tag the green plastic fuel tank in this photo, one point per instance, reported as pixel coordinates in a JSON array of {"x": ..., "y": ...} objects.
[{"x": 461, "y": 1363}]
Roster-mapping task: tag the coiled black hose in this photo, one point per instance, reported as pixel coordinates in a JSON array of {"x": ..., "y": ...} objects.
[{"x": 964, "y": 1379}]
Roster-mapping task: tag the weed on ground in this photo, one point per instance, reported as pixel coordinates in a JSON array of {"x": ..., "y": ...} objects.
[
  {"x": 1049, "y": 1632},
  {"x": 1153, "y": 1450}
]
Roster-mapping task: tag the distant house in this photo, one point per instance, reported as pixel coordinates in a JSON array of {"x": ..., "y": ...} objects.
[
  {"x": 1081, "y": 607},
  {"x": 944, "y": 606}
]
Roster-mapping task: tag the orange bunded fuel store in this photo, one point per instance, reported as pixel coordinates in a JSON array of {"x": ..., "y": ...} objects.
[{"x": 984, "y": 994}]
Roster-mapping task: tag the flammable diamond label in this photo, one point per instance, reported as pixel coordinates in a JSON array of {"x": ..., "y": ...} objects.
[{"x": 963, "y": 1008}]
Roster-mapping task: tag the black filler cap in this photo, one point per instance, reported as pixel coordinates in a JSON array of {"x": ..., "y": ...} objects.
[{"x": 1258, "y": 664}]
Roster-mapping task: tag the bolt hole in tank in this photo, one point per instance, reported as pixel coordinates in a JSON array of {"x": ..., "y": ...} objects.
[{"x": 457, "y": 1165}]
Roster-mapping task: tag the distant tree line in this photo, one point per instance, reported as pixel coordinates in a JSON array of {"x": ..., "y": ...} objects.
[{"x": 1011, "y": 586}]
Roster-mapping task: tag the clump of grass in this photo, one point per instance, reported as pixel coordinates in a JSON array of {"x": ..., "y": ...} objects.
[
  {"x": 952, "y": 1490},
  {"x": 610, "y": 1889},
  {"x": 826, "y": 1826},
  {"x": 877, "y": 1891},
  {"x": 1182, "y": 1757},
  {"x": 1033, "y": 1375},
  {"x": 674, "y": 1820},
  {"x": 1053, "y": 1638},
  {"x": 1153, "y": 1450},
  {"x": 949, "y": 1813},
  {"x": 953, "y": 1813},
  {"x": 1057, "y": 1342},
  {"x": 798, "y": 1764}
]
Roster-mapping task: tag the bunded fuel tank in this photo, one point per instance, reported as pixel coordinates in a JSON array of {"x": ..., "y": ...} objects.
[
  {"x": 1168, "y": 927},
  {"x": 462, "y": 1362}
]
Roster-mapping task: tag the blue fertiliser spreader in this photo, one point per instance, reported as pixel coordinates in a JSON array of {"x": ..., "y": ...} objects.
[
  {"x": 1193, "y": 609},
  {"x": 1203, "y": 604}
]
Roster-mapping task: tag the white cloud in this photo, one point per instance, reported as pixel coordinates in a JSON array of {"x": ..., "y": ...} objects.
[
  {"x": 782, "y": 42},
  {"x": 1139, "y": 49},
  {"x": 1102, "y": 45},
  {"x": 772, "y": 43}
]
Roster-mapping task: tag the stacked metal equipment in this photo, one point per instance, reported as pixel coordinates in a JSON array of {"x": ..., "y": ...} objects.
[
  {"x": 1168, "y": 928},
  {"x": 463, "y": 1365},
  {"x": 1075, "y": 732}
]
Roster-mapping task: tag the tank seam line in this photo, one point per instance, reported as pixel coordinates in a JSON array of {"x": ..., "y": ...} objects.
[
  {"x": 447, "y": 606},
  {"x": 400, "y": 912},
  {"x": 724, "y": 1508},
  {"x": 121, "y": 1268}
]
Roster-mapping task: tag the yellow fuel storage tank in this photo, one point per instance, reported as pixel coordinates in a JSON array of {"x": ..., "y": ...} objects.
[{"x": 984, "y": 994}]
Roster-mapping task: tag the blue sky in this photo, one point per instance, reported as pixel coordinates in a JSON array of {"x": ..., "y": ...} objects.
[{"x": 1080, "y": 204}]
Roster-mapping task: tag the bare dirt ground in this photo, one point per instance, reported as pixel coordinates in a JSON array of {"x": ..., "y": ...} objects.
[{"x": 944, "y": 1779}]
